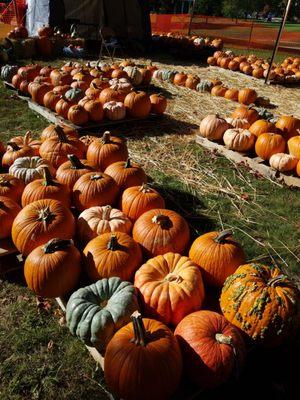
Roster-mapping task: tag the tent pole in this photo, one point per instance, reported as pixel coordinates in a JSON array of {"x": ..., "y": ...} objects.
[
  {"x": 191, "y": 17},
  {"x": 287, "y": 9}
]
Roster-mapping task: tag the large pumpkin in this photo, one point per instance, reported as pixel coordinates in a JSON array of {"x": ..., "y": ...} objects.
[
  {"x": 261, "y": 301},
  {"x": 262, "y": 126},
  {"x": 218, "y": 256},
  {"x": 268, "y": 144},
  {"x": 70, "y": 171},
  {"x": 294, "y": 146},
  {"x": 152, "y": 358},
  {"x": 160, "y": 231},
  {"x": 98, "y": 220},
  {"x": 28, "y": 169},
  {"x": 289, "y": 125},
  {"x": 46, "y": 188},
  {"x": 11, "y": 187},
  {"x": 138, "y": 104},
  {"x": 9, "y": 209},
  {"x": 136, "y": 200},
  {"x": 170, "y": 286},
  {"x": 126, "y": 174},
  {"x": 107, "y": 150},
  {"x": 212, "y": 348},
  {"x": 53, "y": 269},
  {"x": 56, "y": 149},
  {"x": 41, "y": 221},
  {"x": 94, "y": 313},
  {"x": 213, "y": 127},
  {"x": 112, "y": 254},
  {"x": 94, "y": 189}
]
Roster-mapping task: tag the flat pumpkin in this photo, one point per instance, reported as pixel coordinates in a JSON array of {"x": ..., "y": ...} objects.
[
  {"x": 261, "y": 301},
  {"x": 28, "y": 169},
  {"x": 170, "y": 286},
  {"x": 94, "y": 313}
]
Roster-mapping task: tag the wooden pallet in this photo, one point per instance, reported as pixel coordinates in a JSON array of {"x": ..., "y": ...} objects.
[
  {"x": 256, "y": 164},
  {"x": 11, "y": 261}
]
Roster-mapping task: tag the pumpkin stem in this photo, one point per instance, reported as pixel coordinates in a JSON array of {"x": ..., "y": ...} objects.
[
  {"x": 2, "y": 205},
  {"x": 106, "y": 213},
  {"x": 48, "y": 180},
  {"x": 106, "y": 137},
  {"x": 4, "y": 182},
  {"x": 27, "y": 138},
  {"x": 94, "y": 85},
  {"x": 173, "y": 278},
  {"x": 60, "y": 134},
  {"x": 113, "y": 242},
  {"x": 96, "y": 177},
  {"x": 45, "y": 216},
  {"x": 223, "y": 339},
  {"x": 140, "y": 334},
  {"x": 75, "y": 162},
  {"x": 14, "y": 146},
  {"x": 162, "y": 220},
  {"x": 57, "y": 244},
  {"x": 128, "y": 163},
  {"x": 223, "y": 236},
  {"x": 277, "y": 280},
  {"x": 145, "y": 188}
]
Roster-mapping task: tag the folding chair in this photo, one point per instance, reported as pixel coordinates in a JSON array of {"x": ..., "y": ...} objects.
[{"x": 109, "y": 42}]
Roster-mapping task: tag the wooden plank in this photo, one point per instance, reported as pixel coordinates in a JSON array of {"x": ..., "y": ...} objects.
[
  {"x": 92, "y": 350},
  {"x": 254, "y": 163},
  {"x": 7, "y": 248}
]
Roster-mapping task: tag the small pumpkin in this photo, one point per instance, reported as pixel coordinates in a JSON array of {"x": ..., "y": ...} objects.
[
  {"x": 53, "y": 269},
  {"x": 252, "y": 299},
  {"x": 9, "y": 209},
  {"x": 262, "y": 126},
  {"x": 170, "y": 286},
  {"x": 247, "y": 96},
  {"x": 204, "y": 86},
  {"x": 151, "y": 353},
  {"x": 41, "y": 221},
  {"x": 232, "y": 94},
  {"x": 14, "y": 151},
  {"x": 283, "y": 162},
  {"x": 212, "y": 348},
  {"x": 126, "y": 174},
  {"x": 219, "y": 91},
  {"x": 27, "y": 140},
  {"x": 38, "y": 92},
  {"x": 70, "y": 171},
  {"x": 95, "y": 110},
  {"x": 158, "y": 103},
  {"x": 192, "y": 82},
  {"x": 95, "y": 312},
  {"x": 159, "y": 231},
  {"x": 74, "y": 94},
  {"x": 239, "y": 139},
  {"x": 218, "y": 256},
  {"x": 213, "y": 127},
  {"x": 94, "y": 189},
  {"x": 268, "y": 144},
  {"x": 63, "y": 106},
  {"x": 134, "y": 74}
]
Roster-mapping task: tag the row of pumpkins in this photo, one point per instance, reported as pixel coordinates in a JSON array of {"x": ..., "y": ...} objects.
[
  {"x": 85, "y": 93},
  {"x": 215, "y": 87},
  {"x": 287, "y": 71},
  {"x": 135, "y": 259},
  {"x": 174, "y": 40},
  {"x": 276, "y": 141},
  {"x": 21, "y": 32}
]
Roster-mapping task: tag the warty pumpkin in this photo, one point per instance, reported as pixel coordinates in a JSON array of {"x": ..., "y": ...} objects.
[
  {"x": 262, "y": 126},
  {"x": 160, "y": 231},
  {"x": 98, "y": 220},
  {"x": 239, "y": 139},
  {"x": 268, "y": 144},
  {"x": 218, "y": 256},
  {"x": 213, "y": 127},
  {"x": 293, "y": 145},
  {"x": 94, "y": 189},
  {"x": 158, "y": 103},
  {"x": 137, "y": 200},
  {"x": 107, "y": 150},
  {"x": 170, "y": 287},
  {"x": 261, "y": 301},
  {"x": 9, "y": 209},
  {"x": 212, "y": 348},
  {"x": 46, "y": 188},
  {"x": 11, "y": 187},
  {"x": 39, "y": 222},
  {"x": 53, "y": 269},
  {"x": 27, "y": 140},
  {"x": 70, "y": 171},
  {"x": 126, "y": 174},
  {"x": 151, "y": 354},
  {"x": 112, "y": 254},
  {"x": 283, "y": 162},
  {"x": 14, "y": 151},
  {"x": 94, "y": 313},
  {"x": 28, "y": 169}
]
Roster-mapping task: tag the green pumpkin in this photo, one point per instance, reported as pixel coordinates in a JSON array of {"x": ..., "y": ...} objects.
[
  {"x": 168, "y": 75},
  {"x": 265, "y": 114},
  {"x": 204, "y": 86},
  {"x": 74, "y": 94},
  {"x": 8, "y": 71},
  {"x": 94, "y": 313}
]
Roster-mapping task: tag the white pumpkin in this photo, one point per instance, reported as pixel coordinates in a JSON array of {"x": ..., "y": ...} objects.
[
  {"x": 238, "y": 122},
  {"x": 30, "y": 168},
  {"x": 199, "y": 42},
  {"x": 239, "y": 139},
  {"x": 283, "y": 162},
  {"x": 98, "y": 220},
  {"x": 134, "y": 74},
  {"x": 121, "y": 85},
  {"x": 114, "y": 110}
]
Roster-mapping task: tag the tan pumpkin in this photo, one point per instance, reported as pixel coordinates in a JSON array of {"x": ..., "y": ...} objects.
[
  {"x": 239, "y": 139},
  {"x": 238, "y": 123},
  {"x": 134, "y": 74},
  {"x": 213, "y": 127},
  {"x": 114, "y": 110},
  {"x": 283, "y": 162}
]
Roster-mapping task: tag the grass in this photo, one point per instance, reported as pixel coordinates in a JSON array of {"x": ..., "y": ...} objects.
[
  {"x": 280, "y": 55},
  {"x": 39, "y": 359}
]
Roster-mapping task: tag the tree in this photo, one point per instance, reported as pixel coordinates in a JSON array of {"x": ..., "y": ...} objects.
[
  {"x": 233, "y": 8},
  {"x": 208, "y": 7}
]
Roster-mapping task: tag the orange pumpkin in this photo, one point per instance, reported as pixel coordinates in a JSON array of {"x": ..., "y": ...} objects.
[
  {"x": 78, "y": 115},
  {"x": 52, "y": 131},
  {"x": 126, "y": 174},
  {"x": 289, "y": 125},
  {"x": 63, "y": 106},
  {"x": 262, "y": 126},
  {"x": 247, "y": 96},
  {"x": 268, "y": 144},
  {"x": 9, "y": 209},
  {"x": 38, "y": 92},
  {"x": 219, "y": 91},
  {"x": 192, "y": 82},
  {"x": 14, "y": 152},
  {"x": 94, "y": 109},
  {"x": 218, "y": 256},
  {"x": 109, "y": 94},
  {"x": 70, "y": 171},
  {"x": 170, "y": 286},
  {"x": 11, "y": 187},
  {"x": 27, "y": 140},
  {"x": 138, "y": 104},
  {"x": 232, "y": 94},
  {"x": 180, "y": 79},
  {"x": 158, "y": 103},
  {"x": 160, "y": 231},
  {"x": 294, "y": 146},
  {"x": 51, "y": 99},
  {"x": 248, "y": 113}
]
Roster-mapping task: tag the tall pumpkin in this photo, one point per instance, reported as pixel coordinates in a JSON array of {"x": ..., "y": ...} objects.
[
  {"x": 70, "y": 171},
  {"x": 212, "y": 348},
  {"x": 105, "y": 151},
  {"x": 261, "y": 301},
  {"x": 170, "y": 286},
  {"x": 152, "y": 357},
  {"x": 9, "y": 209},
  {"x": 39, "y": 222},
  {"x": 126, "y": 174},
  {"x": 218, "y": 256},
  {"x": 53, "y": 269},
  {"x": 160, "y": 231}
]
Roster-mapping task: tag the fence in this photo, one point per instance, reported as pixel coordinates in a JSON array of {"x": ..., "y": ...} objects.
[
  {"x": 11, "y": 15},
  {"x": 245, "y": 33}
]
